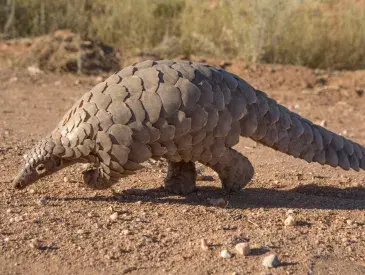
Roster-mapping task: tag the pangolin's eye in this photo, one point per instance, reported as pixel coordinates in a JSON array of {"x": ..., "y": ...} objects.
[
  {"x": 57, "y": 162},
  {"x": 40, "y": 169}
]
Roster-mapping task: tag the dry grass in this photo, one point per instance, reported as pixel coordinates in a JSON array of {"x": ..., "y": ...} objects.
[{"x": 326, "y": 34}]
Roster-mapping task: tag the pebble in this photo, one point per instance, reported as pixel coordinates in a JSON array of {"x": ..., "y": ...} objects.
[
  {"x": 34, "y": 243},
  {"x": 349, "y": 222},
  {"x": 42, "y": 201},
  {"x": 113, "y": 217},
  {"x": 125, "y": 232},
  {"x": 13, "y": 79},
  {"x": 243, "y": 248},
  {"x": 323, "y": 123},
  {"x": 80, "y": 231},
  {"x": 90, "y": 214},
  {"x": 271, "y": 261},
  {"x": 225, "y": 254},
  {"x": 218, "y": 202},
  {"x": 31, "y": 191},
  {"x": 33, "y": 70},
  {"x": 66, "y": 179},
  {"x": 290, "y": 221},
  {"x": 98, "y": 79},
  {"x": 204, "y": 244}
]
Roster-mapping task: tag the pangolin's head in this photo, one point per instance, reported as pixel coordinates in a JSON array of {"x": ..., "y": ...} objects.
[{"x": 42, "y": 160}]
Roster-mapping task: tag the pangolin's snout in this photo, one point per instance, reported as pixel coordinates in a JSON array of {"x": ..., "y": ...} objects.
[
  {"x": 23, "y": 178},
  {"x": 19, "y": 182}
]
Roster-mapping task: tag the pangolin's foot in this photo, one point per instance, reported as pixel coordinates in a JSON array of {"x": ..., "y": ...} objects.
[
  {"x": 234, "y": 173},
  {"x": 95, "y": 177},
  {"x": 181, "y": 177}
]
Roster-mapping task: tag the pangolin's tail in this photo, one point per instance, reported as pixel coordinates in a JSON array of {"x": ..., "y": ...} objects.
[{"x": 275, "y": 126}]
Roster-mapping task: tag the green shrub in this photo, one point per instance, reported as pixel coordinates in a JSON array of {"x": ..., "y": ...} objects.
[{"x": 315, "y": 33}]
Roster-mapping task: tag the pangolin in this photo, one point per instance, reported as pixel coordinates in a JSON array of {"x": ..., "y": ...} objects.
[{"x": 183, "y": 112}]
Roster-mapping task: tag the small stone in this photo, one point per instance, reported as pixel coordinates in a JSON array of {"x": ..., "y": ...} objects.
[
  {"x": 204, "y": 244},
  {"x": 8, "y": 211},
  {"x": 113, "y": 217},
  {"x": 225, "y": 254},
  {"x": 66, "y": 179},
  {"x": 18, "y": 219},
  {"x": 125, "y": 232},
  {"x": 33, "y": 70},
  {"x": 290, "y": 212},
  {"x": 290, "y": 221},
  {"x": 98, "y": 79},
  {"x": 271, "y": 261},
  {"x": 36, "y": 244},
  {"x": 359, "y": 92},
  {"x": 42, "y": 201},
  {"x": 243, "y": 248},
  {"x": 13, "y": 79},
  {"x": 31, "y": 191},
  {"x": 349, "y": 222},
  {"x": 6, "y": 239},
  {"x": 80, "y": 231},
  {"x": 218, "y": 202},
  {"x": 323, "y": 123}
]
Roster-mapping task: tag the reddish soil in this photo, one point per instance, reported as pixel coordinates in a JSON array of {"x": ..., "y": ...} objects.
[{"x": 158, "y": 233}]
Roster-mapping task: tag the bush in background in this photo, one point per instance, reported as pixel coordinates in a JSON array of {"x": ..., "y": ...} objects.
[{"x": 315, "y": 33}]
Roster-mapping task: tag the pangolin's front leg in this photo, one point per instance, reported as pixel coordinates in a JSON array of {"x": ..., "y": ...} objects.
[
  {"x": 181, "y": 177},
  {"x": 95, "y": 177}
]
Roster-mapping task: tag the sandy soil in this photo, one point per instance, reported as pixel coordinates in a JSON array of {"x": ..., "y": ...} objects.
[{"x": 157, "y": 233}]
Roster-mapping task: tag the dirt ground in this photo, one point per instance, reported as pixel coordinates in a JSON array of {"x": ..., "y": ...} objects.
[{"x": 158, "y": 233}]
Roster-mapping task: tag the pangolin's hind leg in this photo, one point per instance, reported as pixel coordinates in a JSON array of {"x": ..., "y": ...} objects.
[
  {"x": 233, "y": 169},
  {"x": 181, "y": 177}
]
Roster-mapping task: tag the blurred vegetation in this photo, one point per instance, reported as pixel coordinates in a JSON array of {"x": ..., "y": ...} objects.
[{"x": 315, "y": 33}]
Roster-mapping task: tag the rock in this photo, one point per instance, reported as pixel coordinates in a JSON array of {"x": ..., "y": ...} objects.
[
  {"x": 98, "y": 79},
  {"x": 204, "y": 244},
  {"x": 218, "y": 202},
  {"x": 271, "y": 261},
  {"x": 113, "y": 217},
  {"x": 35, "y": 243},
  {"x": 225, "y": 254},
  {"x": 66, "y": 179},
  {"x": 90, "y": 214},
  {"x": 243, "y": 248},
  {"x": 13, "y": 79},
  {"x": 323, "y": 123},
  {"x": 290, "y": 221},
  {"x": 80, "y": 231},
  {"x": 359, "y": 92},
  {"x": 34, "y": 70},
  {"x": 42, "y": 201}
]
